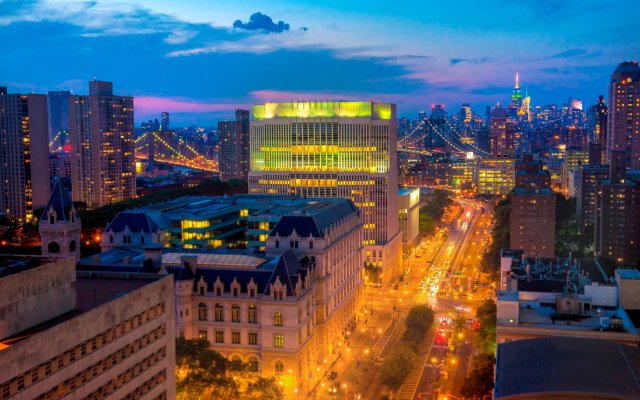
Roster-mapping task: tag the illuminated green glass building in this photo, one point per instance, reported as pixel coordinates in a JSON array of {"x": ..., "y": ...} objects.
[{"x": 333, "y": 149}]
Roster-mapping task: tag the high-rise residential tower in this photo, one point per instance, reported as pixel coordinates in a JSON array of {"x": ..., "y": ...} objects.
[
  {"x": 501, "y": 133},
  {"x": 617, "y": 219},
  {"x": 334, "y": 149},
  {"x": 58, "y": 119},
  {"x": 233, "y": 137},
  {"x": 102, "y": 141},
  {"x": 623, "y": 130},
  {"x": 24, "y": 154},
  {"x": 164, "y": 121}
]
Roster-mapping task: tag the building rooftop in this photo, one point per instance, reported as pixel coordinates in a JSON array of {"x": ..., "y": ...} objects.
[
  {"x": 233, "y": 261},
  {"x": 551, "y": 365},
  {"x": 93, "y": 289},
  {"x": 14, "y": 264},
  {"x": 315, "y": 218},
  {"x": 628, "y": 273}
]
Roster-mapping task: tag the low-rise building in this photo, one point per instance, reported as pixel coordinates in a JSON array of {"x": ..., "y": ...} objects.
[
  {"x": 84, "y": 335},
  {"x": 575, "y": 298}
]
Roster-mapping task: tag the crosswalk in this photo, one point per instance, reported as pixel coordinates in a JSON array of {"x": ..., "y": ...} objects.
[
  {"x": 383, "y": 340},
  {"x": 408, "y": 388}
]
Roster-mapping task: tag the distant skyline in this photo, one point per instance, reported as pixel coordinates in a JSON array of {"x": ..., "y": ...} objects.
[{"x": 200, "y": 60}]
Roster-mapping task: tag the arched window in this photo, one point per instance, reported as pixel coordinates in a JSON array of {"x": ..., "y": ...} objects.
[
  {"x": 219, "y": 317},
  {"x": 253, "y": 314},
  {"x": 202, "y": 312},
  {"x": 253, "y": 364},
  {"x": 279, "y": 367},
  {"x": 278, "y": 319},
  {"x": 72, "y": 246},
  {"x": 235, "y": 313},
  {"x": 53, "y": 248}
]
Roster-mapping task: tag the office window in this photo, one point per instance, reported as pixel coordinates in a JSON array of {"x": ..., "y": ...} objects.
[
  {"x": 202, "y": 335},
  {"x": 235, "y": 313},
  {"x": 253, "y": 314},
  {"x": 253, "y": 338},
  {"x": 219, "y": 311},
  {"x": 235, "y": 337},
  {"x": 279, "y": 367},
  {"x": 278, "y": 319},
  {"x": 219, "y": 336},
  {"x": 278, "y": 341},
  {"x": 202, "y": 312}
]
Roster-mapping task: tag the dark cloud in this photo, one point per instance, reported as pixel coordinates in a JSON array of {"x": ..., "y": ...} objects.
[
  {"x": 473, "y": 61},
  {"x": 569, "y": 53},
  {"x": 261, "y": 22}
]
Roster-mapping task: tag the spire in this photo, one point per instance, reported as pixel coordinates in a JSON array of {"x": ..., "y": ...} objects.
[
  {"x": 59, "y": 201},
  {"x": 517, "y": 84}
]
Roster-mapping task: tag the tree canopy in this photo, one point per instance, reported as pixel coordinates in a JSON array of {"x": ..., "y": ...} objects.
[{"x": 204, "y": 374}]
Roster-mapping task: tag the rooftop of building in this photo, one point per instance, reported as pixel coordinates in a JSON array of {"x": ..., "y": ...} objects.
[
  {"x": 14, "y": 264},
  {"x": 530, "y": 192},
  {"x": 93, "y": 289},
  {"x": 323, "y": 109},
  {"x": 628, "y": 273},
  {"x": 534, "y": 314},
  {"x": 567, "y": 365},
  {"x": 60, "y": 201},
  {"x": 315, "y": 218},
  {"x": 628, "y": 68}
]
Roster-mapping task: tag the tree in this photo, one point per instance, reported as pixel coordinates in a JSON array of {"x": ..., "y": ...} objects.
[
  {"x": 397, "y": 365},
  {"x": 479, "y": 382},
  {"x": 205, "y": 374},
  {"x": 485, "y": 339}
]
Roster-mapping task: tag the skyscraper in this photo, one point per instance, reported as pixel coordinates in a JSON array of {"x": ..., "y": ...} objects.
[
  {"x": 623, "y": 131},
  {"x": 334, "y": 149},
  {"x": 164, "y": 121},
  {"x": 233, "y": 137},
  {"x": 24, "y": 154},
  {"x": 501, "y": 133},
  {"x": 102, "y": 141},
  {"x": 58, "y": 119},
  {"x": 516, "y": 95}
]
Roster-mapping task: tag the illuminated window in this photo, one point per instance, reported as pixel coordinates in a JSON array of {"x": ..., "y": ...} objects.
[
  {"x": 278, "y": 341},
  {"x": 278, "y": 319}
]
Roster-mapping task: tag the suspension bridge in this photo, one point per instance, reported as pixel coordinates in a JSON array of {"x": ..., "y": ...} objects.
[
  {"x": 414, "y": 141},
  {"x": 169, "y": 148}
]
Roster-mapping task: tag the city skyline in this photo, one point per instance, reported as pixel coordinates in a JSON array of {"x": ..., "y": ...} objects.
[{"x": 426, "y": 54}]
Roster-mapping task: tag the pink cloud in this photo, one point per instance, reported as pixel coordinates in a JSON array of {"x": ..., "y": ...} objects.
[{"x": 154, "y": 105}]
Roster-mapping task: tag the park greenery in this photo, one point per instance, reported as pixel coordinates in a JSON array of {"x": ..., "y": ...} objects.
[
  {"x": 205, "y": 374},
  {"x": 433, "y": 210},
  {"x": 398, "y": 362},
  {"x": 499, "y": 237},
  {"x": 479, "y": 382}
]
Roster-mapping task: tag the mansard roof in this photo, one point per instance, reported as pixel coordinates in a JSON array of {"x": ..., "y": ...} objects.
[
  {"x": 137, "y": 221},
  {"x": 315, "y": 218}
]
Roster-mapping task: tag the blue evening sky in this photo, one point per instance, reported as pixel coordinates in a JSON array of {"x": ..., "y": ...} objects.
[{"x": 201, "y": 59}]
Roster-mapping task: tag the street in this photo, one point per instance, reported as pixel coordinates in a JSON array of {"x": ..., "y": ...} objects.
[{"x": 442, "y": 272}]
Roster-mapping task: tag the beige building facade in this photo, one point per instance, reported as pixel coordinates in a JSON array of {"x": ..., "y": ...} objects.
[{"x": 91, "y": 336}]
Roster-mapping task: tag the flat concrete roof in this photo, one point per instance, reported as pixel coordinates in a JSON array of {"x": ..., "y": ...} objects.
[
  {"x": 92, "y": 290},
  {"x": 628, "y": 273},
  {"x": 570, "y": 365}
]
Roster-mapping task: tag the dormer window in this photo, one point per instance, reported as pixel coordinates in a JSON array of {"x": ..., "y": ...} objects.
[
  {"x": 235, "y": 288},
  {"x": 278, "y": 294},
  {"x": 311, "y": 244},
  {"x": 52, "y": 219},
  {"x": 252, "y": 288},
  {"x": 277, "y": 244}
]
